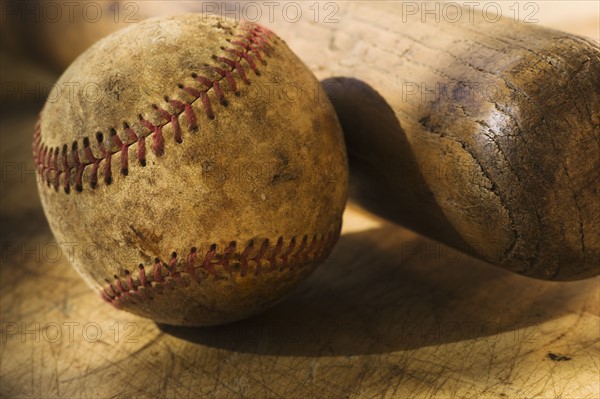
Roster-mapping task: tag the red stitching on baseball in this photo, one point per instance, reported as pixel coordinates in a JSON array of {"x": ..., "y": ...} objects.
[
  {"x": 78, "y": 166},
  {"x": 52, "y": 164},
  {"x": 130, "y": 289},
  {"x": 65, "y": 165},
  {"x": 106, "y": 169}
]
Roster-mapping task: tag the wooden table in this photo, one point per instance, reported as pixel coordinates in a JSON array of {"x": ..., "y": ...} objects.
[{"x": 390, "y": 315}]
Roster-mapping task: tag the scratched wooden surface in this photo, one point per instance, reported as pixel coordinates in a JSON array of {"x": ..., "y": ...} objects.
[{"x": 390, "y": 315}]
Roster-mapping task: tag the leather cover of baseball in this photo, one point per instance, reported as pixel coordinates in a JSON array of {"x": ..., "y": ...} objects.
[{"x": 196, "y": 167}]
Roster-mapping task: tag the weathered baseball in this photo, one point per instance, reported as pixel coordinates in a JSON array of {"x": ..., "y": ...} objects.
[{"x": 195, "y": 166}]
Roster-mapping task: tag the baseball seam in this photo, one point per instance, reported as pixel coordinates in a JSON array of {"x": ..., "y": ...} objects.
[
  {"x": 52, "y": 163},
  {"x": 131, "y": 290}
]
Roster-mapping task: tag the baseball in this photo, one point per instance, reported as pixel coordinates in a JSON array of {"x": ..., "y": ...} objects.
[{"x": 196, "y": 167}]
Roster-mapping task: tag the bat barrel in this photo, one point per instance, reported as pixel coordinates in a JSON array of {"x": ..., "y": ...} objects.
[{"x": 483, "y": 136}]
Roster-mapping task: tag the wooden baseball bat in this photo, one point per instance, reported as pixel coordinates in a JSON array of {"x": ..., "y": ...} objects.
[{"x": 483, "y": 134}]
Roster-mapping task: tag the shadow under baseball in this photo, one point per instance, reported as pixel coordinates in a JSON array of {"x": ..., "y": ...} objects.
[{"x": 386, "y": 290}]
